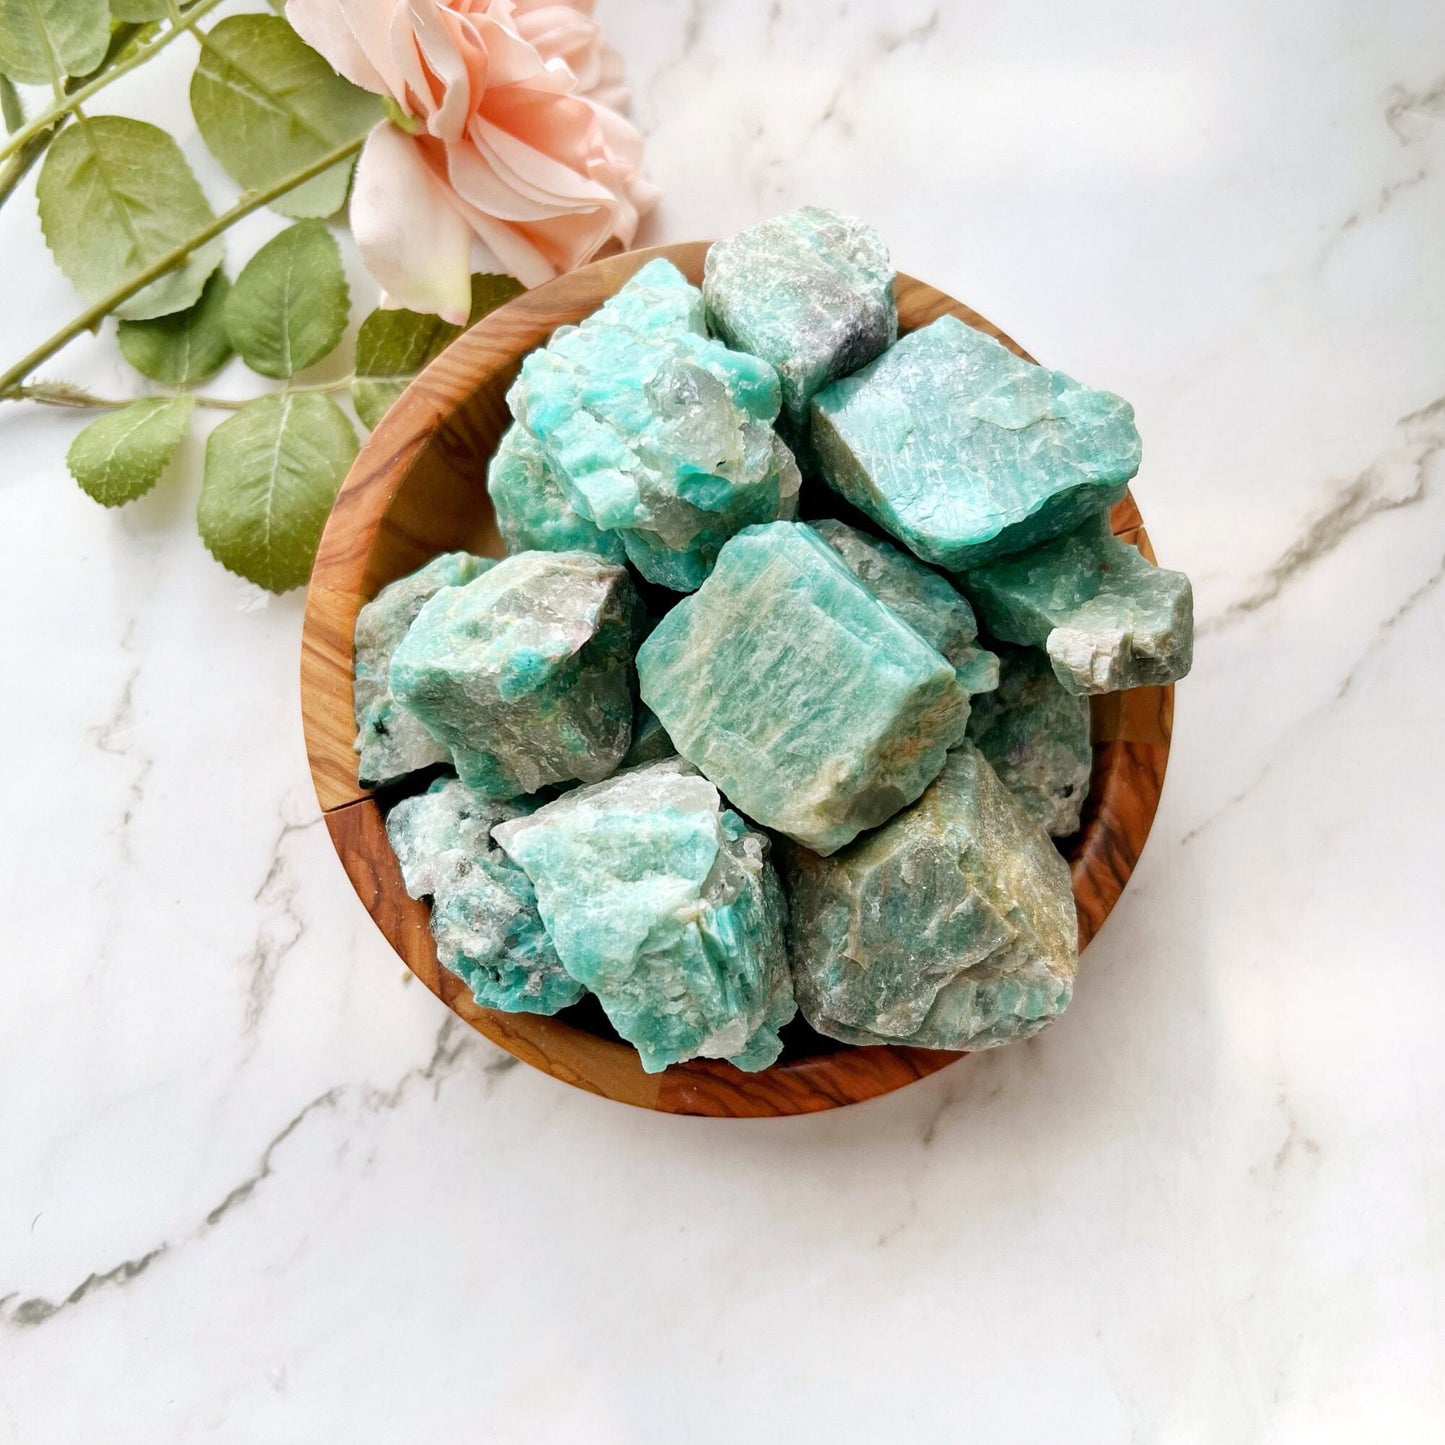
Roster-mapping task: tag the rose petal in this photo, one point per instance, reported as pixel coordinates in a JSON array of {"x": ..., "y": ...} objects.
[
  {"x": 519, "y": 156},
  {"x": 411, "y": 237},
  {"x": 452, "y": 51},
  {"x": 353, "y": 38}
]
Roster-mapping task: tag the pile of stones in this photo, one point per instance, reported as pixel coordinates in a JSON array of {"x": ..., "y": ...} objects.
[{"x": 812, "y": 783}]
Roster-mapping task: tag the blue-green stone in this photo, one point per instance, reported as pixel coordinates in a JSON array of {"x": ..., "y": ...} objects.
[
  {"x": 650, "y": 742},
  {"x": 928, "y": 603},
  {"x": 1108, "y": 618},
  {"x": 532, "y": 510},
  {"x": 1035, "y": 735},
  {"x": 815, "y": 709},
  {"x": 965, "y": 452},
  {"x": 951, "y": 927},
  {"x": 392, "y": 742},
  {"x": 665, "y": 905},
  {"x": 655, "y": 432},
  {"x": 435, "y": 835},
  {"x": 811, "y": 292},
  {"x": 484, "y": 915},
  {"x": 526, "y": 673}
]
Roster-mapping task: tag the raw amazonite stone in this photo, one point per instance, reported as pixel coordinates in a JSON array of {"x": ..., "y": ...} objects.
[
  {"x": 810, "y": 292},
  {"x": 526, "y": 673},
  {"x": 952, "y": 927},
  {"x": 1035, "y": 735},
  {"x": 533, "y": 513},
  {"x": 484, "y": 911},
  {"x": 1108, "y": 618},
  {"x": 807, "y": 701},
  {"x": 665, "y": 905},
  {"x": 392, "y": 742},
  {"x": 965, "y": 452},
  {"x": 650, "y": 742},
  {"x": 931, "y": 606},
  {"x": 654, "y": 431}
]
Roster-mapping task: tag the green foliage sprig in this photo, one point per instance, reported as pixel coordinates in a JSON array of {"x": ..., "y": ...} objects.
[{"x": 129, "y": 226}]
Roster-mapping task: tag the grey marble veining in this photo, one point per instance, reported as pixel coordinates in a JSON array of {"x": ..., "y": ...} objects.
[{"x": 244, "y": 1154}]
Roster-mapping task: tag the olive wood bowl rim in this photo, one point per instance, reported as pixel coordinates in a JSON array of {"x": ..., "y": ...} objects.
[{"x": 1131, "y": 729}]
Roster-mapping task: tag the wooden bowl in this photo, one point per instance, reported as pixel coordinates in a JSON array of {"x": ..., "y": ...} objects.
[{"x": 417, "y": 489}]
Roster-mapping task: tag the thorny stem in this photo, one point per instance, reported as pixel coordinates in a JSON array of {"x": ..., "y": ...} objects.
[{"x": 62, "y": 393}]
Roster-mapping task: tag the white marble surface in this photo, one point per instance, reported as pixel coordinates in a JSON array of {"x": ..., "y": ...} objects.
[{"x": 256, "y": 1186}]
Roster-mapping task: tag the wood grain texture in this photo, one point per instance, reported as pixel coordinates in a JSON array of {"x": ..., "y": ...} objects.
[{"x": 418, "y": 488}]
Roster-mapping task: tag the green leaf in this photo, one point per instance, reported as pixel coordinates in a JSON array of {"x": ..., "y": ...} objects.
[
  {"x": 392, "y": 346},
  {"x": 290, "y": 304},
  {"x": 43, "y": 41},
  {"x": 489, "y": 290},
  {"x": 11, "y": 106},
  {"x": 115, "y": 195},
  {"x": 267, "y": 105},
  {"x": 121, "y": 456},
  {"x": 140, "y": 11},
  {"x": 185, "y": 346},
  {"x": 272, "y": 472}
]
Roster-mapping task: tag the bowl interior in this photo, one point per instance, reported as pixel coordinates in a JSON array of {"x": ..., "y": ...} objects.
[{"x": 418, "y": 488}]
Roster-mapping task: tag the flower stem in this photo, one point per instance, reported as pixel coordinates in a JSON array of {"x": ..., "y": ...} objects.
[
  {"x": 62, "y": 393},
  {"x": 13, "y": 171},
  {"x": 93, "y": 315},
  {"x": 65, "y": 105}
]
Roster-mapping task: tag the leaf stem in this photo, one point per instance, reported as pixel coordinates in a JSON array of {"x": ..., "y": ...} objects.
[
  {"x": 62, "y": 393},
  {"x": 96, "y": 313},
  {"x": 13, "y": 171},
  {"x": 64, "y": 105}
]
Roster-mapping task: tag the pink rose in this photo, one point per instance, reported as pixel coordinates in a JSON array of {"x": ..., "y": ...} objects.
[{"x": 521, "y": 160}]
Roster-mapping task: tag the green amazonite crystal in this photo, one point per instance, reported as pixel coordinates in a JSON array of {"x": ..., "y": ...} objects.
[
  {"x": 952, "y": 927},
  {"x": 1035, "y": 735},
  {"x": 656, "y": 433},
  {"x": 1108, "y": 618},
  {"x": 665, "y": 905},
  {"x": 965, "y": 452},
  {"x": 392, "y": 742},
  {"x": 484, "y": 911},
  {"x": 526, "y": 672},
  {"x": 533, "y": 513},
  {"x": 801, "y": 696},
  {"x": 924, "y": 600},
  {"x": 810, "y": 292},
  {"x": 650, "y": 742}
]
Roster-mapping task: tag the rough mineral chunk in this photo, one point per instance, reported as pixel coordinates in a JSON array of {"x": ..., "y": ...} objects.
[
  {"x": 807, "y": 701},
  {"x": 533, "y": 513},
  {"x": 931, "y": 606},
  {"x": 1108, "y": 618},
  {"x": 665, "y": 905},
  {"x": 484, "y": 911},
  {"x": 650, "y": 742},
  {"x": 1035, "y": 735},
  {"x": 811, "y": 292},
  {"x": 526, "y": 673},
  {"x": 965, "y": 452},
  {"x": 655, "y": 432},
  {"x": 953, "y": 927},
  {"x": 437, "y": 834},
  {"x": 392, "y": 743}
]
